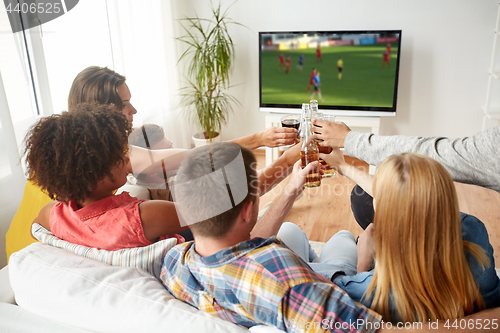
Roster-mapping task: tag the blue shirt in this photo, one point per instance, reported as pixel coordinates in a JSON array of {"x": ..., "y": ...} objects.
[
  {"x": 316, "y": 80},
  {"x": 487, "y": 281}
]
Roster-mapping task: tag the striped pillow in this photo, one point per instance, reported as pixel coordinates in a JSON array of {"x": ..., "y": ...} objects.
[{"x": 149, "y": 258}]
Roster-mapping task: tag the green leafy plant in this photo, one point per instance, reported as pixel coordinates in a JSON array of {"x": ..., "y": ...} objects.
[{"x": 210, "y": 55}]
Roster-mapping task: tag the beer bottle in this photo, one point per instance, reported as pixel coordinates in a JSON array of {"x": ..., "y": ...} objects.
[
  {"x": 306, "y": 113},
  {"x": 313, "y": 104},
  {"x": 328, "y": 171},
  {"x": 309, "y": 151}
]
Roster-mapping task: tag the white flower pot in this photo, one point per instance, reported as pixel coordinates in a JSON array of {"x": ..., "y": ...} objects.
[{"x": 202, "y": 142}]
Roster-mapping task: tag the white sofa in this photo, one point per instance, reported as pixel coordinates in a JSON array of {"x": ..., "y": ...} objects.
[
  {"x": 52, "y": 290},
  {"x": 47, "y": 289}
]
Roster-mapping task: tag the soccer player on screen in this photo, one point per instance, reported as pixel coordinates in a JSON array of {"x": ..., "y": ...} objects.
[
  {"x": 287, "y": 64},
  {"x": 311, "y": 80},
  {"x": 389, "y": 48},
  {"x": 340, "y": 67},
  {"x": 316, "y": 87},
  {"x": 301, "y": 62},
  {"x": 387, "y": 59},
  {"x": 282, "y": 61},
  {"x": 318, "y": 55}
]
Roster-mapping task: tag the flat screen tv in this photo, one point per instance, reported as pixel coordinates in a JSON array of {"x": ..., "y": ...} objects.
[{"x": 357, "y": 71}]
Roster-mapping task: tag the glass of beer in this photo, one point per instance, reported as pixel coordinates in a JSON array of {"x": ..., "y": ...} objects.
[
  {"x": 328, "y": 171},
  {"x": 292, "y": 121}
]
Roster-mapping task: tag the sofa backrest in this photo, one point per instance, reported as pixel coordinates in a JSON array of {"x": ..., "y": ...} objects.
[{"x": 94, "y": 296}]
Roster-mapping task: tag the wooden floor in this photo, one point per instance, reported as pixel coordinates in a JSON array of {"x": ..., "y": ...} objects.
[{"x": 321, "y": 212}]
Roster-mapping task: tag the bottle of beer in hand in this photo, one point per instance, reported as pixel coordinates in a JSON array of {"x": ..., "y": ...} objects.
[
  {"x": 309, "y": 151},
  {"x": 306, "y": 113},
  {"x": 313, "y": 104},
  {"x": 328, "y": 171}
]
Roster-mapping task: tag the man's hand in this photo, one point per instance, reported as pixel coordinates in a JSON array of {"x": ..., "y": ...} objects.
[
  {"x": 366, "y": 249},
  {"x": 271, "y": 222},
  {"x": 298, "y": 177},
  {"x": 332, "y": 134},
  {"x": 272, "y": 174},
  {"x": 277, "y": 136}
]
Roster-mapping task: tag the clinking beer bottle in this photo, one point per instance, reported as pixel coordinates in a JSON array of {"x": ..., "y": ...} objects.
[
  {"x": 309, "y": 152},
  {"x": 328, "y": 170},
  {"x": 306, "y": 113},
  {"x": 313, "y": 104}
]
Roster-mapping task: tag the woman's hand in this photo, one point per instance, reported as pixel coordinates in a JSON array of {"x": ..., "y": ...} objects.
[
  {"x": 335, "y": 159},
  {"x": 277, "y": 136},
  {"x": 366, "y": 249}
]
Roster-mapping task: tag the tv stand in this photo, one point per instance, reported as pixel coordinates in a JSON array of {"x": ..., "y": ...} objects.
[{"x": 363, "y": 124}]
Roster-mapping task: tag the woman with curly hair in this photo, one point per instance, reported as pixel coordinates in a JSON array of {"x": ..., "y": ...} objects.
[
  {"x": 430, "y": 261},
  {"x": 80, "y": 159}
]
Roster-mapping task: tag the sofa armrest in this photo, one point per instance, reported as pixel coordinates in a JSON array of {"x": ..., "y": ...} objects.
[{"x": 6, "y": 292}]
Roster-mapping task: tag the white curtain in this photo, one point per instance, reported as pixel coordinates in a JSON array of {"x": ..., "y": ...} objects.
[
  {"x": 16, "y": 114},
  {"x": 143, "y": 48},
  {"x": 12, "y": 179},
  {"x": 140, "y": 44}
]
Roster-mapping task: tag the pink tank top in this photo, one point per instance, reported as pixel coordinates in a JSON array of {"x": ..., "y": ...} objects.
[{"x": 112, "y": 223}]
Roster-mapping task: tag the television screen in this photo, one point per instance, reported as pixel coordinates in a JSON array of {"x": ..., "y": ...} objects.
[{"x": 351, "y": 72}]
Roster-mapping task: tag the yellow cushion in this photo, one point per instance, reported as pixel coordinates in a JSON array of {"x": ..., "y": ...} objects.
[{"x": 19, "y": 234}]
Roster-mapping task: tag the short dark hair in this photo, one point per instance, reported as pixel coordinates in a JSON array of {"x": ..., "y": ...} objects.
[
  {"x": 198, "y": 200},
  {"x": 96, "y": 85},
  {"x": 67, "y": 154},
  {"x": 146, "y": 136}
]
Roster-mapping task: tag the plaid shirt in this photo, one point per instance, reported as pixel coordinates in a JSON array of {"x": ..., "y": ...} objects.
[{"x": 262, "y": 282}]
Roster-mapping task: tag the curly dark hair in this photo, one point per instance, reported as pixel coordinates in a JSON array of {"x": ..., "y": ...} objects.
[{"x": 68, "y": 154}]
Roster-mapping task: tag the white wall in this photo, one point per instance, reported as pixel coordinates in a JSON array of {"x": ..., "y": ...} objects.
[{"x": 446, "y": 53}]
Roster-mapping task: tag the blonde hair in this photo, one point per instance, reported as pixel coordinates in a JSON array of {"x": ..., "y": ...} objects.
[{"x": 420, "y": 262}]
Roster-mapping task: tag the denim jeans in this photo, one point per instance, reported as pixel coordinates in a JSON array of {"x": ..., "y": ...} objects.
[{"x": 340, "y": 254}]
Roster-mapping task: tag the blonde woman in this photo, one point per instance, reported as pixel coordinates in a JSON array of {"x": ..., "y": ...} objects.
[{"x": 431, "y": 261}]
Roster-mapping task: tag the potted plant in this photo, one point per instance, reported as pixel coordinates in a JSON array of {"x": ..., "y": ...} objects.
[{"x": 210, "y": 55}]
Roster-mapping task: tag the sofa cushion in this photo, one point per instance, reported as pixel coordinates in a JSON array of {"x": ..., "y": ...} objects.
[
  {"x": 15, "y": 319},
  {"x": 149, "y": 258},
  {"x": 91, "y": 295},
  {"x": 6, "y": 292}
]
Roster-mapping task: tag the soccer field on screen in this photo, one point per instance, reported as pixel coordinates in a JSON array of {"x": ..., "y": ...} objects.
[{"x": 364, "y": 82}]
